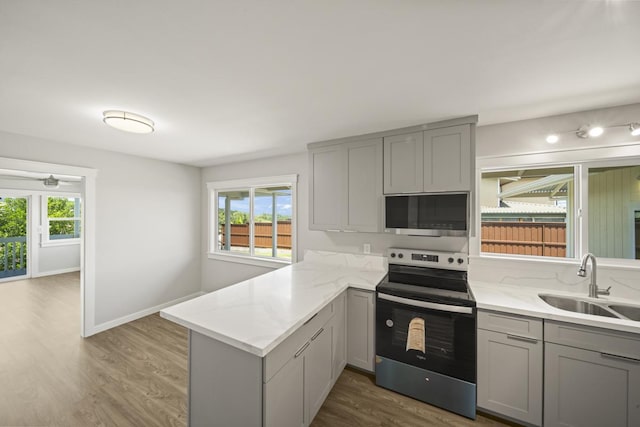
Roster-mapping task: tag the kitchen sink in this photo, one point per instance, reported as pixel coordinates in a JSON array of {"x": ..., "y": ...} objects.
[
  {"x": 628, "y": 311},
  {"x": 576, "y": 305}
]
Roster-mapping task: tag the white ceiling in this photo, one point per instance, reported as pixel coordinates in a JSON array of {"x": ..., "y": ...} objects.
[{"x": 228, "y": 80}]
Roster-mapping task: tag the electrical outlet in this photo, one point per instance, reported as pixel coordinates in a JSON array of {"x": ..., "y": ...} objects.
[{"x": 366, "y": 248}]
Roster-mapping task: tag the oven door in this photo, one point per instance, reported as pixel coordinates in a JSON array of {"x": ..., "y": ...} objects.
[{"x": 430, "y": 335}]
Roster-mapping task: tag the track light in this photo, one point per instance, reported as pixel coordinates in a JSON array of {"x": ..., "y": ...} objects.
[
  {"x": 588, "y": 131},
  {"x": 553, "y": 138}
]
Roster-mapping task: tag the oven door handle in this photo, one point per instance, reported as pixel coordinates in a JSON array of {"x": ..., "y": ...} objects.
[{"x": 425, "y": 304}]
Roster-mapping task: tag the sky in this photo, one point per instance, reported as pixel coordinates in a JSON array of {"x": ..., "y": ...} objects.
[{"x": 261, "y": 205}]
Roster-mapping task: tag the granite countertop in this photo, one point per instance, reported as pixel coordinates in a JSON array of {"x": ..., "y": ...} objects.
[
  {"x": 258, "y": 314},
  {"x": 524, "y": 300}
]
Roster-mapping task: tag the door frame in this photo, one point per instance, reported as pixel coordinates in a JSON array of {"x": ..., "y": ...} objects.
[
  {"x": 87, "y": 242},
  {"x": 23, "y": 194}
]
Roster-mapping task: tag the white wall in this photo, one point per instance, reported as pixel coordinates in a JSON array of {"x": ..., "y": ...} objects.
[
  {"x": 147, "y": 224},
  {"x": 524, "y": 141},
  {"x": 217, "y": 274}
]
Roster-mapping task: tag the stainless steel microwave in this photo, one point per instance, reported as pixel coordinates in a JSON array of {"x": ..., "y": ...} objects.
[{"x": 434, "y": 214}]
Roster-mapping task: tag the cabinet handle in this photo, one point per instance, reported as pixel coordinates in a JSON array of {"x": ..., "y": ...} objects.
[
  {"x": 333, "y": 230},
  {"x": 302, "y": 349},
  {"x": 617, "y": 357},
  {"x": 310, "y": 319},
  {"x": 317, "y": 334},
  {"x": 521, "y": 338},
  {"x": 350, "y": 231}
]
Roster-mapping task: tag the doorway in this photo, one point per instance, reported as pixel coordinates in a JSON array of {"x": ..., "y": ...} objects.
[
  {"x": 87, "y": 183},
  {"x": 14, "y": 236}
]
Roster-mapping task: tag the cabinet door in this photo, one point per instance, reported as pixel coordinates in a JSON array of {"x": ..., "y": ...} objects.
[
  {"x": 363, "y": 205},
  {"x": 339, "y": 323},
  {"x": 317, "y": 371},
  {"x": 360, "y": 329},
  {"x": 284, "y": 396},
  {"x": 326, "y": 188},
  {"x": 588, "y": 388},
  {"x": 510, "y": 376},
  {"x": 403, "y": 163},
  {"x": 447, "y": 159}
]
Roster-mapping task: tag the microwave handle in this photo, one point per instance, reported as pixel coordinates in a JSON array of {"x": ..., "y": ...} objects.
[{"x": 428, "y": 305}]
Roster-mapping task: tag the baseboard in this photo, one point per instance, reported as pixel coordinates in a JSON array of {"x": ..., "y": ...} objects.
[
  {"x": 142, "y": 313},
  {"x": 54, "y": 272}
]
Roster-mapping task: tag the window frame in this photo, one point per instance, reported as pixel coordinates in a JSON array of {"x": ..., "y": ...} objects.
[
  {"x": 46, "y": 241},
  {"x": 250, "y": 185},
  {"x": 576, "y": 239},
  {"x": 582, "y": 161}
]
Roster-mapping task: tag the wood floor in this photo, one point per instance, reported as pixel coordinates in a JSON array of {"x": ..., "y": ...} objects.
[{"x": 136, "y": 374}]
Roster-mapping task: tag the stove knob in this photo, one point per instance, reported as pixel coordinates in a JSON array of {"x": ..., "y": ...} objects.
[
  {"x": 450, "y": 260},
  {"x": 400, "y": 256},
  {"x": 393, "y": 254},
  {"x": 460, "y": 260}
]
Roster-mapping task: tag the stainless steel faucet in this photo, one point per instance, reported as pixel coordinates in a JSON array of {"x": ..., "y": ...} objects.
[{"x": 594, "y": 291}]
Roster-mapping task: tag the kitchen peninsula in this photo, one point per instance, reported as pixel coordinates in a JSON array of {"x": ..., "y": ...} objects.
[{"x": 267, "y": 351}]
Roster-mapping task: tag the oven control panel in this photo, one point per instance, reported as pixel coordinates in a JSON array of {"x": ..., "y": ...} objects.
[{"x": 424, "y": 258}]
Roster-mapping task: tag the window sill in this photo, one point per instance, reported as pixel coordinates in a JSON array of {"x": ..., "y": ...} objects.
[
  {"x": 54, "y": 243},
  {"x": 246, "y": 259}
]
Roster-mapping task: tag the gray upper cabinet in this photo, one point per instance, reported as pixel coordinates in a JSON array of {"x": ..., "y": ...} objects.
[
  {"x": 447, "y": 159},
  {"x": 326, "y": 187},
  {"x": 403, "y": 163},
  {"x": 346, "y": 186},
  {"x": 431, "y": 161}
]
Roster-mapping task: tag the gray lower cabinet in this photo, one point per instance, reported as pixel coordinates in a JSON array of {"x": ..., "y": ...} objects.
[
  {"x": 510, "y": 356},
  {"x": 345, "y": 186},
  {"x": 360, "y": 329},
  {"x": 592, "y": 377},
  {"x": 339, "y": 333},
  {"x": 286, "y": 388},
  {"x": 284, "y": 396}
]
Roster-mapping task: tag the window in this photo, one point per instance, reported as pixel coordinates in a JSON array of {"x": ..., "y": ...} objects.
[
  {"x": 562, "y": 210},
  {"x": 61, "y": 220},
  {"x": 253, "y": 221},
  {"x": 528, "y": 212},
  {"x": 614, "y": 211}
]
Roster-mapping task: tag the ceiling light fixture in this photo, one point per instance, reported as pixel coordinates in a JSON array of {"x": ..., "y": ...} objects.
[
  {"x": 128, "y": 122},
  {"x": 553, "y": 138},
  {"x": 596, "y": 131},
  {"x": 588, "y": 131},
  {"x": 51, "y": 182}
]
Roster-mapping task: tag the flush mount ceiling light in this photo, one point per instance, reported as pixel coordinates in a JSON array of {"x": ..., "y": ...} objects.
[
  {"x": 128, "y": 122},
  {"x": 587, "y": 131}
]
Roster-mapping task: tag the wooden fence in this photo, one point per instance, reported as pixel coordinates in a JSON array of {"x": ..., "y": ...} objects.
[
  {"x": 263, "y": 235},
  {"x": 525, "y": 238}
]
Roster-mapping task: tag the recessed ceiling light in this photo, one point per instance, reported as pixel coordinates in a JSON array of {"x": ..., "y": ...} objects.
[
  {"x": 596, "y": 131},
  {"x": 634, "y": 128},
  {"x": 552, "y": 139},
  {"x": 128, "y": 122}
]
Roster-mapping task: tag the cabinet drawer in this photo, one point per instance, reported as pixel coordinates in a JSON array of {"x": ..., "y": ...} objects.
[
  {"x": 277, "y": 358},
  {"x": 527, "y": 327},
  {"x": 606, "y": 341}
]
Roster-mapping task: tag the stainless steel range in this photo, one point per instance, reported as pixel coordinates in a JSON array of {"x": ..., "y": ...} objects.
[{"x": 426, "y": 329}]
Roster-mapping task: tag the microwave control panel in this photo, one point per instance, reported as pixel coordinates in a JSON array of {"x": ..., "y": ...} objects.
[{"x": 424, "y": 258}]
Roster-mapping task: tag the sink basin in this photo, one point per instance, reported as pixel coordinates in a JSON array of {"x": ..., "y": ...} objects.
[
  {"x": 576, "y": 305},
  {"x": 628, "y": 311}
]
